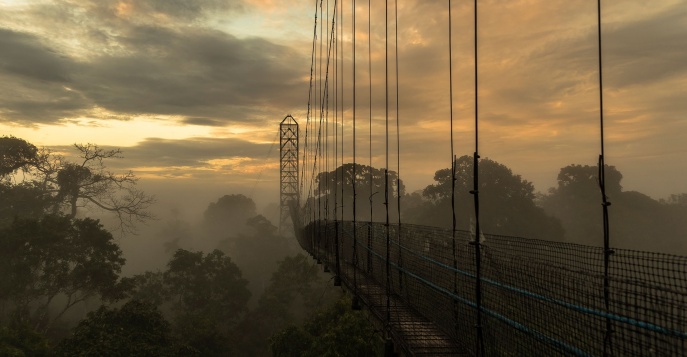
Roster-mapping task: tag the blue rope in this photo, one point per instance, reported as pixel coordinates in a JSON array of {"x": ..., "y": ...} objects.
[
  {"x": 619, "y": 318},
  {"x": 586, "y": 310},
  {"x": 536, "y": 334}
]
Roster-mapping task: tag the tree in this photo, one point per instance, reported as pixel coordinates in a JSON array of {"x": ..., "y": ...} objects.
[
  {"x": 259, "y": 240},
  {"x": 136, "y": 329},
  {"x": 41, "y": 260},
  {"x": 208, "y": 296},
  {"x": 16, "y": 154},
  {"x": 295, "y": 292},
  {"x": 227, "y": 217},
  {"x": 19, "y": 340},
  {"x": 370, "y": 192},
  {"x": 25, "y": 199},
  {"x": 336, "y": 331},
  {"x": 637, "y": 221},
  {"x": 507, "y": 202},
  {"x": 74, "y": 185}
]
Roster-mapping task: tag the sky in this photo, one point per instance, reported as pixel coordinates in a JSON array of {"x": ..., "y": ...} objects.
[{"x": 193, "y": 91}]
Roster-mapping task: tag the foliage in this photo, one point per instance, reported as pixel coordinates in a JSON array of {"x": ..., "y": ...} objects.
[
  {"x": 636, "y": 220},
  {"x": 207, "y": 294},
  {"x": 16, "y": 154},
  {"x": 370, "y": 192},
  {"x": 25, "y": 200},
  {"x": 295, "y": 292},
  {"x": 260, "y": 240},
  {"x": 150, "y": 287},
  {"x": 209, "y": 285},
  {"x": 336, "y": 331},
  {"x": 227, "y": 217},
  {"x": 19, "y": 340},
  {"x": 136, "y": 329},
  {"x": 507, "y": 202},
  {"x": 56, "y": 257},
  {"x": 71, "y": 185}
]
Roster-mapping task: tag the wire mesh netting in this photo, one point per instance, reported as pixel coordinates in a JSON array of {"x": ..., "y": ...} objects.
[{"x": 538, "y": 298}]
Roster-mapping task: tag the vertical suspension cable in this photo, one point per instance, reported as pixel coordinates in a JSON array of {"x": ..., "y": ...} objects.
[
  {"x": 398, "y": 156},
  {"x": 326, "y": 145},
  {"x": 369, "y": 72},
  {"x": 337, "y": 262},
  {"x": 324, "y": 152},
  {"x": 310, "y": 92},
  {"x": 306, "y": 154},
  {"x": 341, "y": 28},
  {"x": 386, "y": 175},
  {"x": 330, "y": 48},
  {"x": 343, "y": 142},
  {"x": 608, "y": 337},
  {"x": 356, "y": 303},
  {"x": 453, "y": 164},
  {"x": 319, "y": 136},
  {"x": 475, "y": 192}
]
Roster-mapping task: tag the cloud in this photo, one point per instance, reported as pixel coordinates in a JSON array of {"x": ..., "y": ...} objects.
[
  {"x": 202, "y": 122},
  {"x": 36, "y": 81},
  {"x": 194, "y": 153},
  {"x": 133, "y": 67},
  {"x": 24, "y": 55},
  {"x": 194, "y": 72}
]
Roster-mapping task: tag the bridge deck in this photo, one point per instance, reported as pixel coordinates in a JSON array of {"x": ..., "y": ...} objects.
[
  {"x": 413, "y": 334},
  {"x": 538, "y": 298}
]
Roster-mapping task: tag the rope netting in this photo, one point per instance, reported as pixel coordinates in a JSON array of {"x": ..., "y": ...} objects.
[{"x": 538, "y": 298}]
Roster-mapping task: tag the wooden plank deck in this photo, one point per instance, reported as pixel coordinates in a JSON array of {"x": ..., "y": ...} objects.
[{"x": 412, "y": 333}]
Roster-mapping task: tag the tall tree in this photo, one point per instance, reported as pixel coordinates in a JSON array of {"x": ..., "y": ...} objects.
[
  {"x": 295, "y": 292},
  {"x": 68, "y": 186},
  {"x": 371, "y": 186},
  {"x": 16, "y": 154},
  {"x": 507, "y": 202},
  {"x": 259, "y": 240},
  {"x": 135, "y": 329},
  {"x": 336, "y": 331},
  {"x": 41, "y": 260},
  {"x": 227, "y": 217},
  {"x": 208, "y": 296},
  {"x": 637, "y": 221}
]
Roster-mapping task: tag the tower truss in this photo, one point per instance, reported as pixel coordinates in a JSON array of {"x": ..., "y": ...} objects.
[{"x": 288, "y": 171}]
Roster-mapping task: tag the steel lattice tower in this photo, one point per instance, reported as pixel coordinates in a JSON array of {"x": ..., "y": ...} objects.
[{"x": 288, "y": 170}]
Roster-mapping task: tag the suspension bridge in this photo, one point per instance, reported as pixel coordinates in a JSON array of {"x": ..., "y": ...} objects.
[{"x": 454, "y": 292}]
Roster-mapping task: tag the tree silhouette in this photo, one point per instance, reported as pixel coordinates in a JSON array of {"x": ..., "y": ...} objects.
[
  {"x": 370, "y": 188},
  {"x": 136, "y": 329},
  {"x": 56, "y": 256},
  {"x": 507, "y": 202},
  {"x": 69, "y": 186},
  {"x": 637, "y": 221}
]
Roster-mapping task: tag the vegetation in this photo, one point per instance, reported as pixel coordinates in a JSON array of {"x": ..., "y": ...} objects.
[
  {"x": 507, "y": 202},
  {"x": 52, "y": 264},
  {"x": 136, "y": 329},
  {"x": 62, "y": 292},
  {"x": 51, "y": 184}
]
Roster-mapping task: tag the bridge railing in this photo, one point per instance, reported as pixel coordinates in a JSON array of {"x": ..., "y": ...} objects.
[{"x": 539, "y": 298}]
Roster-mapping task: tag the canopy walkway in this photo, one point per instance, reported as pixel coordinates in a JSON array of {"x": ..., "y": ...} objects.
[
  {"x": 443, "y": 292},
  {"x": 536, "y": 298}
]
